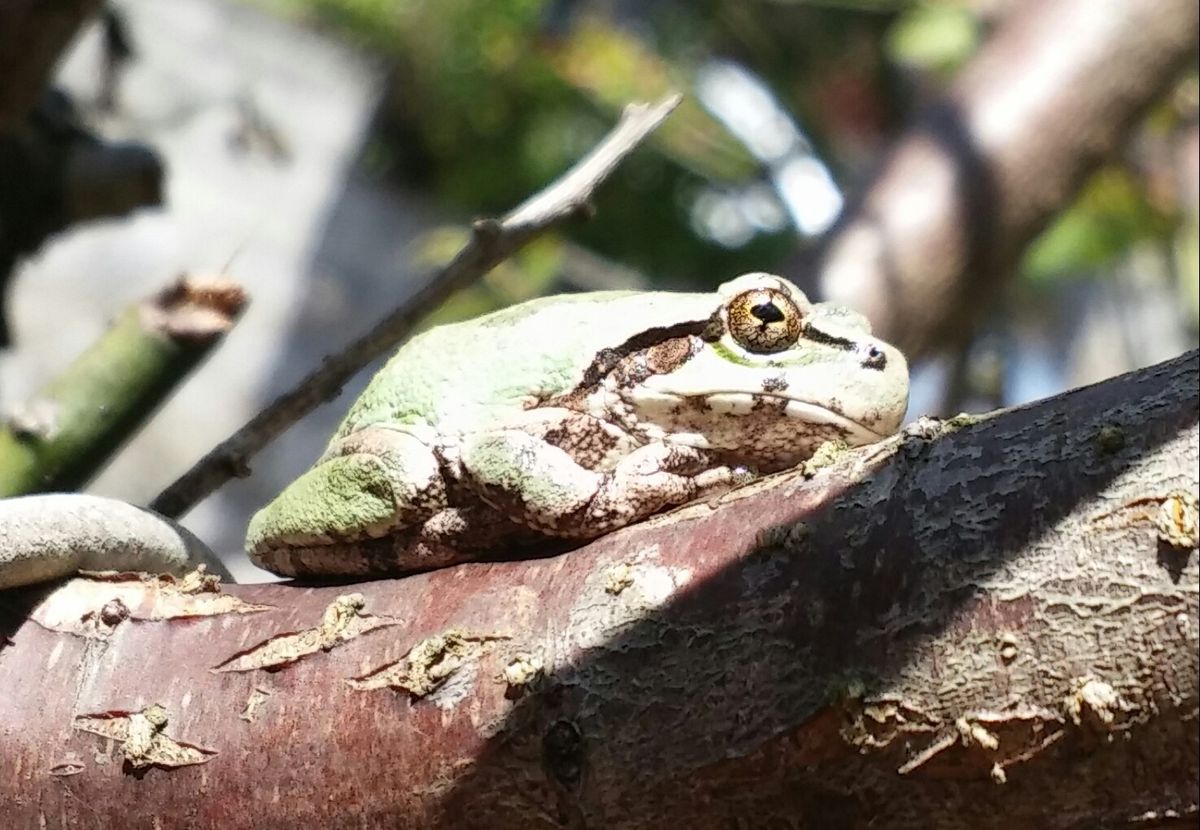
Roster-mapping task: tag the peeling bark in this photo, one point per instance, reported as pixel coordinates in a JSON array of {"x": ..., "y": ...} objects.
[{"x": 985, "y": 622}]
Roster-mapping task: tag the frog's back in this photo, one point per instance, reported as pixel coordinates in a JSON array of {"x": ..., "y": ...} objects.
[{"x": 462, "y": 373}]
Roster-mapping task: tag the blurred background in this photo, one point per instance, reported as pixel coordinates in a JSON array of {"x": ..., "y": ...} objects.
[{"x": 328, "y": 154}]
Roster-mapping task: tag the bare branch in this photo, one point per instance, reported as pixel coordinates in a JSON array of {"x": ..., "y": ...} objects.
[
  {"x": 492, "y": 241},
  {"x": 1049, "y": 97},
  {"x": 985, "y": 623}
]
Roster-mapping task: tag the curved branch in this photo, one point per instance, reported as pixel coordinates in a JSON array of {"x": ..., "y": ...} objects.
[{"x": 982, "y": 623}]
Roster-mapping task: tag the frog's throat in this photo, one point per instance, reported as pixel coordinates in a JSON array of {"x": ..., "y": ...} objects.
[
  {"x": 811, "y": 413},
  {"x": 794, "y": 409}
]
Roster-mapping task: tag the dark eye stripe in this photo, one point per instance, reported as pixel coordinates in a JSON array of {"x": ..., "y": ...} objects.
[
  {"x": 873, "y": 359},
  {"x": 817, "y": 336},
  {"x": 606, "y": 360}
]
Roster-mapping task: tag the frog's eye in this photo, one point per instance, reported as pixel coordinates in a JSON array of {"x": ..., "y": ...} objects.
[{"x": 765, "y": 320}]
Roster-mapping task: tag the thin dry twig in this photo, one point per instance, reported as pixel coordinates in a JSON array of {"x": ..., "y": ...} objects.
[{"x": 491, "y": 242}]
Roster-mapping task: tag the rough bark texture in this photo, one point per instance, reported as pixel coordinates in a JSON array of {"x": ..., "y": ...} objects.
[
  {"x": 989, "y": 624},
  {"x": 1052, "y": 95}
]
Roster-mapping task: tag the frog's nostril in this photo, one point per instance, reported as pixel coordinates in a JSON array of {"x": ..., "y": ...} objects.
[{"x": 874, "y": 358}]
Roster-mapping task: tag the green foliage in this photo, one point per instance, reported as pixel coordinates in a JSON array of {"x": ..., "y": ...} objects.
[
  {"x": 492, "y": 99},
  {"x": 938, "y": 37},
  {"x": 489, "y": 101},
  {"x": 1110, "y": 215}
]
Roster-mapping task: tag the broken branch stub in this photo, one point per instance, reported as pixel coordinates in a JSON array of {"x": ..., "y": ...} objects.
[{"x": 69, "y": 430}]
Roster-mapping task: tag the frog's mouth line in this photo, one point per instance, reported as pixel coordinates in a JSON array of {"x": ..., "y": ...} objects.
[
  {"x": 742, "y": 402},
  {"x": 815, "y": 414},
  {"x": 797, "y": 409}
]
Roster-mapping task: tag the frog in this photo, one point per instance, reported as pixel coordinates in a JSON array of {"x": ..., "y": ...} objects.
[{"x": 561, "y": 419}]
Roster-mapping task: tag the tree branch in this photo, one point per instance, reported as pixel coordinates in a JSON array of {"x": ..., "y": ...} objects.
[
  {"x": 33, "y": 35},
  {"x": 53, "y": 536},
  {"x": 73, "y": 426},
  {"x": 1050, "y": 96},
  {"x": 987, "y": 623},
  {"x": 491, "y": 242}
]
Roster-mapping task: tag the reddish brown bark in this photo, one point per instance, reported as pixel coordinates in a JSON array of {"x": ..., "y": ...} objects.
[{"x": 989, "y": 625}]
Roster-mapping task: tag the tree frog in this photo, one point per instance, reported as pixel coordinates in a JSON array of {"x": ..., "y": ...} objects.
[{"x": 567, "y": 417}]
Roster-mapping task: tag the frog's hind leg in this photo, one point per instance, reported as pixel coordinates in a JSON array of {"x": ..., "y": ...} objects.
[
  {"x": 543, "y": 487},
  {"x": 364, "y": 492},
  {"x": 466, "y": 534}
]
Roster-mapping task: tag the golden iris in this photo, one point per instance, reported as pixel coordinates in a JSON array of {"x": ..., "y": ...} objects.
[{"x": 765, "y": 320}]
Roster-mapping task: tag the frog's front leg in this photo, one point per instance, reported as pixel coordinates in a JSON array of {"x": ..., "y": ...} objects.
[{"x": 527, "y": 476}]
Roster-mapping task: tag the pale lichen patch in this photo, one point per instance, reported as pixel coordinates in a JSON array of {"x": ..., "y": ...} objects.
[
  {"x": 617, "y": 578},
  {"x": 98, "y": 601},
  {"x": 1110, "y": 438},
  {"x": 982, "y": 742},
  {"x": 879, "y": 722},
  {"x": 973, "y": 732},
  {"x": 1094, "y": 704},
  {"x": 964, "y": 419},
  {"x": 792, "y": 537},
  {"x": 998, "y": 773},
  {"x": 143, "y": 739},
  {"x": 1174, "y": 517},
  {"x": 523, "y": 669},
  {"x": 429, "y": 664},
  {"x": 341, "y": 622},
  {"x": 829, "y": 453},
  {"x": 1178, "y": 520}
]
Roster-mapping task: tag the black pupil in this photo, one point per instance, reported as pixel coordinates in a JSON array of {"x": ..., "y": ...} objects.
[{"x": 767, "y": 312}]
